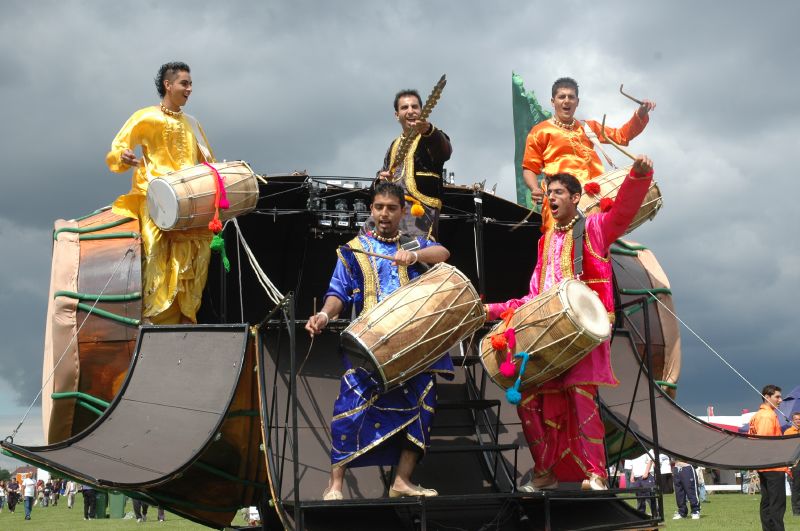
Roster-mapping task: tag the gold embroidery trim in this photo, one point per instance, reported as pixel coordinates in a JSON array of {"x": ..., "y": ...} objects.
[
  {"x": 356, "y": 409},
  {"x": 380, "y": 440},
  {"x": 592, "y": 251},
  {"x": 596, "y": 281},
  {"x": 369, "y": 274},
  {"x": 343, "y": 261},
  {"x": 545, "y": 263},
  {"x": 583, "y": 392},
  {"x": 409, "y": 174},
  {"x": 566, "y": 256},
  {"x": 372, "y": 445},
  {"x": 402, "y": 273}
]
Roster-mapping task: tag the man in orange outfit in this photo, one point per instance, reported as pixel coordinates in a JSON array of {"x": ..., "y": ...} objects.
[
  {"x": 562, "y": 145},
  {"x": 773, "y": 493}
]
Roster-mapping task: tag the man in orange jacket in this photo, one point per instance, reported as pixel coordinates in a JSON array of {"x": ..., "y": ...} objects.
[{"x": 773, "y": 490}]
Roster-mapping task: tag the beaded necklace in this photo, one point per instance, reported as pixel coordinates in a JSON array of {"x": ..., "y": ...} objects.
[
  {"x": 563, "y": 125},
  {"x": 391, "y": 239},
  {"x": 168, "y": 112},
  {"x": 568, "y": 226}
]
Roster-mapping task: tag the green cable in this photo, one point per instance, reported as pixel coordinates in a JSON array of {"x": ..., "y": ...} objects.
[{"x": 123, "y": 297}]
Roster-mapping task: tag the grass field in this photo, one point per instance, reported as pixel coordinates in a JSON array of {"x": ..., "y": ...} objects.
[
  {"x": 60, "y": 518},
  {"x": 728, "y": 512}
]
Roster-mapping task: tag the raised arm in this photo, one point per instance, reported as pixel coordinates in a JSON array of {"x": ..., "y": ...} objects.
[
  {"x": 623, "y": 135},
  {"x": 605, "y": 228}
]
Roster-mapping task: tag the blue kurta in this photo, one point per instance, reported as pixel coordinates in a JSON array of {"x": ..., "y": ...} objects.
[{"x": 370, "y": 427}]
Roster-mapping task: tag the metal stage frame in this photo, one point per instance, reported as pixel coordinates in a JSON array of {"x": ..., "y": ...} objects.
[{"x": 504, "y": 507}]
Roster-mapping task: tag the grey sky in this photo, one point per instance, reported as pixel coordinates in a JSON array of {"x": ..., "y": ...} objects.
[{"x": 308, "y": 85}]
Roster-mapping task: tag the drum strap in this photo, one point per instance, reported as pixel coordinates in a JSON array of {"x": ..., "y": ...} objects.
[
  {"x": 200, "y": 138},
  {"x": 578, "y": 233},
  {"x": 596, "y": 141}
]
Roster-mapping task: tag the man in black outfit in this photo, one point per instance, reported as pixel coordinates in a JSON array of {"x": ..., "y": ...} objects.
[{"x": 89, "y": 502}]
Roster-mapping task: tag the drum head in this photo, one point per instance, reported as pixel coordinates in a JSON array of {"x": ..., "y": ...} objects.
[
  {"x": 586, "y": 309},
  {"x": 162, "y": 204}
]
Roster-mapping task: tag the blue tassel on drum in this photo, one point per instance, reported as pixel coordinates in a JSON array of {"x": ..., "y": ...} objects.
[{"x": 512, "y": 393}]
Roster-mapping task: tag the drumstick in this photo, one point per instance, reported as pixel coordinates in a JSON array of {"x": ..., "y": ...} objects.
[
  {"x": 640, "y": 102},
  {"x": 376, "y": 255},
  {"x": 603, "y": 131},
  {"x": 524, "y": 220}
]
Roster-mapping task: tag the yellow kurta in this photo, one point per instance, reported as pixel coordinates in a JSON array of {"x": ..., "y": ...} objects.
[{"x": 175, "y": 263}]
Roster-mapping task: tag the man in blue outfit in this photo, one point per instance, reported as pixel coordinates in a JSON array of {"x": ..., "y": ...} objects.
[{"x": 371, "y": 427}]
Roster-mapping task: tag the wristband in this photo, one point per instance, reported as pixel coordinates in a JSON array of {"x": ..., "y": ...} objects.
[
  {"x": 416, "y": 258},
  {"x": 327, "y": 317}
]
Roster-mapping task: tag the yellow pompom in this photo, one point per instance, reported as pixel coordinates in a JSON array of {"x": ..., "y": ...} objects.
[{"x": 417, "y": 210}]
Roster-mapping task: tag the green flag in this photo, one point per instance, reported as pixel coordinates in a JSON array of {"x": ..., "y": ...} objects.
[{"x": 527, "y": 113}]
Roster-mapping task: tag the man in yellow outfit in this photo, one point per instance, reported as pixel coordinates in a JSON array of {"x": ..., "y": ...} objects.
[{"x": 175, "y": 263}]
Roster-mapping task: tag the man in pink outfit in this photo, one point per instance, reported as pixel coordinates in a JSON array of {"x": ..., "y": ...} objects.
[{"x": 560, "y": 418}]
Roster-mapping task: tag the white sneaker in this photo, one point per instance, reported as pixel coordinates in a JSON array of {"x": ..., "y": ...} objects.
[
  {"x": 695, "y": 516},
  {"x": 678, "y": 516}
]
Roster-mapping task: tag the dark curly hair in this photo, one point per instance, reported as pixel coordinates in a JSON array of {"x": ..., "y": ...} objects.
[
  {"x": 168, "y": 71},
  {"x": 388, "y": 188},
  {"x": 769, "y": 390},
  {"x": 572, "y": 184},
  {"x": 406, "y": 92},
  {"x": 564, "y": 82}
]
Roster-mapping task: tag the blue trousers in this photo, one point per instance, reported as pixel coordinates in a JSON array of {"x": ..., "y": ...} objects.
[
  {"x": 642, "y": 499},
  {"x": 685, "y": 482},
  {"x": 28, "y": 506}
]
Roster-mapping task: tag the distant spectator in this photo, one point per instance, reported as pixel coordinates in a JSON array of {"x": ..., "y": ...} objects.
[
  {"x": 794, "y": 472},
  {"x": 140, "y": 510},
  {"x": 55, "y": 493},
  {"x": 666, "y": 483},
  {"x": 47, "y": 492},
  {"x": 2, "y": 495},
  {"x": 70, "y": 491},
  {"x": 642, "y": 477},
  {"x": 773, "y": 480},
  {"x": 29, "y": 492},
  {"x": 685, "y": 480},
  {"x": 89, "y": 502},
  {"x": 12, "y": 494},
  {"x": 753, "y": 484}
]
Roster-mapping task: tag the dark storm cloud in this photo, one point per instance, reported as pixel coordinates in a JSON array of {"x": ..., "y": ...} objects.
[{"x": 309, "y": 85}]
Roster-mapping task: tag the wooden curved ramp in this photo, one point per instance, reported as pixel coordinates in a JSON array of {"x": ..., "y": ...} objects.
[
  {"x": 681, "y": 434},
  {"x": 166, "y": 425}
]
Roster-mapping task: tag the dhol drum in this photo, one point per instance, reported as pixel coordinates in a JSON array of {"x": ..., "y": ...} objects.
[
  {"x": 184, "y": 199},
  {"x": 610, "y": 183},
  {"x": 637, "y": 272},
  {"x": 414, "y": 326},
  {"x": 557, "y": 329},
  {"x": 92, "y": 319}
]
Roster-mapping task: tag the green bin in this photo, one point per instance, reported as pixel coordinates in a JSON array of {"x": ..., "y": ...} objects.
[
  {"x": 102, "y": 503},
  {"x": 116, "y": 504}
]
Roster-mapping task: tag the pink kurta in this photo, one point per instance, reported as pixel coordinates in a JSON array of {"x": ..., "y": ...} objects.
[{"x": 560, "y": 418}]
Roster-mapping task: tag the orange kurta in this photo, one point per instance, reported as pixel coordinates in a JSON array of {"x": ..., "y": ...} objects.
[
  {"x": 551, "y": 149},
  {"x": 765, "y": 423}
]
